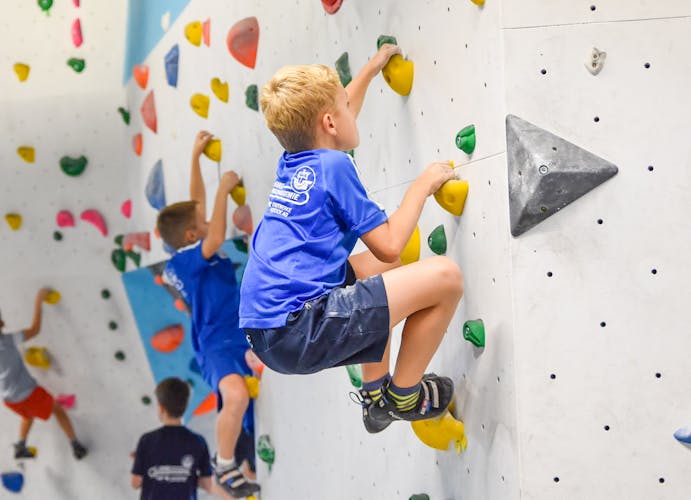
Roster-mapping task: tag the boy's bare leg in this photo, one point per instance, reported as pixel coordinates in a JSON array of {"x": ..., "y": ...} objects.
[
  {"x": 25, "y": 427},
  {"x": 229, "y": 422},
  {"x": 64, "y": 421},
  {"x": 427, "y": 294}
]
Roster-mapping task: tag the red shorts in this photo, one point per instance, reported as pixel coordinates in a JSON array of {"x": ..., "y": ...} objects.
[{"x": 39, "y": 404}]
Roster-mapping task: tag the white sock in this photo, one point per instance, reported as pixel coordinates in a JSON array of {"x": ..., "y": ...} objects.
[{"x": 224, "y": 463}]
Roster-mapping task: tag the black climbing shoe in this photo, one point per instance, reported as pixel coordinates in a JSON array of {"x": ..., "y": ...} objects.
[
  {"x": 232, "y": 481},
  {"x": 21, "y": 451},
  {"x": 436, "y": 394},
  {"x": 79, "y": 450},
  {"x": 373, "y": 424}
]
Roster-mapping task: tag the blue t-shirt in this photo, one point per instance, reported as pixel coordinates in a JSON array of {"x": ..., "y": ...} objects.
[
  {"x": 170, "y": 460},
  {"x": 317, "y": 210},
  {"x": 211, "y": 290}
]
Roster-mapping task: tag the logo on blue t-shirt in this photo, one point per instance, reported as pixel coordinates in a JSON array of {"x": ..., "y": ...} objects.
[{"x": 303, "y": 180}]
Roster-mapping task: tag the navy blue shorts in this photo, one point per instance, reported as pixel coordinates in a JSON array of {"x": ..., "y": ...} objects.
[{"x": 349, "y": 325}]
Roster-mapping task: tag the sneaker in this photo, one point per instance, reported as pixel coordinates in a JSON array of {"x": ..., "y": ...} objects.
[
  {"x": 233, "y": 482},
  {"x": 21, "y": 451},
  {"x": 373, "y": 424},
  {"x": 79, "y": 450},
  {"x": 436, "y": 394}
]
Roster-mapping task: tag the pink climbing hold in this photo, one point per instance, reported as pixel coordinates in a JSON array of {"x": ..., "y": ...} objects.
[
  {"x": 65, "y": 219},
  {"x": 242, "y": 41},
  {"x": 94, "y": 217},
  {"x": 76, "y": 3},
  {"x": 67, "y": 401},
  {"x": 148, "y": 111},
  {"x": 77, "y": 39},
  {"x": 126, "y": 208},
  {"x": 206, "y": 32},
  {"x": 142, "y": 240},
  {"x": 242, "y": 218}
]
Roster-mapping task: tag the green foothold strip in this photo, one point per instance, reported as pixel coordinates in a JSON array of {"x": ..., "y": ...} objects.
[
  {"x": 386, "y": 39},
  {"x": 76, "y": 64},
  {"x": 57, "y": 236},
  {"x": 134, "y": 257},
  {"x": 118, "y": 240},
  {"x": 252, "y": 97},
  {"x": 118, "y": 258},
  {"x": 120, "y": 356},
  {"x": 355, "y": 374},
  {"x": 125, "y": 115},
  {"x": 437, "y": 240},
  {"x": 73, "y": 166},
  {"x": 343, "y": 69},
  {"x": 474, "y": 332},
  {"x": 265, "y": 450},
  {"x": 419, "y": 496},
  {"x": 465, "y": 139}
]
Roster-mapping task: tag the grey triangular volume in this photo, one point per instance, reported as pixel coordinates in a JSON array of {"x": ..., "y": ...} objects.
[{"x": 546, "y": 173}]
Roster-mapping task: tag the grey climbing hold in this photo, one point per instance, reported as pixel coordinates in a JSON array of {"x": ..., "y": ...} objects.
[
  {"x": 546, "y": 173},
  {"x": 596, "y": 61}
]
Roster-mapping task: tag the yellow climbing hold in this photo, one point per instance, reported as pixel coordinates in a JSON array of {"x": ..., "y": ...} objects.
[
  {"x": 27, "y": 153},
  {"x": 200, "y": 105},
  {"x": 439, "y": 432},
  {"x": 14, "y": 221},
  {"x": 22, "y": 71},
  {"x": 451, "y": 196},
  {"x": 214, "y": 150},
  {"x": 252, "y": 386},
  {"x": 193, "y": 33},
  {"x": 238, "y": 194},
  {"x": 37, "y": 356},
  {"x": 478, "y": 2},
  {"x": 398, "y": 73},
  {"x": 411, "y": 251},
  {"x": 53, "y": 297},
  {"x": 220, "y": 89}
]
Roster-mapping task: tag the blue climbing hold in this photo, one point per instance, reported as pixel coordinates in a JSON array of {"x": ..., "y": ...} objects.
[
  {"x": 194, "y": 367},
  {"x": 155, "y": 189},
  {"x": 683, "y": 434},
  {"x": 171, "y": 63},
  {"x": 13, "y": 481}
]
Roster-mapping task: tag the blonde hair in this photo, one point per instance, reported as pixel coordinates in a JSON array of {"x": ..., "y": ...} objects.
[
  {"x": 174, "y": 220},
  {"x": 293, "y": 100}
]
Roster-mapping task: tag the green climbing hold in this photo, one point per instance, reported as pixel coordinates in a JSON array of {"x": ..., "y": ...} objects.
[
  {"x": 251, "y": 97},
  {"x": 125, "y": 115},
  {"x": 112, "y": 325},
  {"x": 105, "y": 293},
  {"x": 134, "y": 256},
  {"x": 119, "y": 259},
  {"x": 118, "y": 239},
  {"x": 343, "y": 69},
  {"x": 57, "y": 236},
  {"x": 355, "y": 374},
  {"x": 465, "y": 139},
  {"x": 146, "y": 400},
  {"x": 474, "y": 332},
  {"x": 73, "y": 166},
  {"x": 386, "y": 39},
  {"x": 120, "y": 356},
  {"x": 419, "y": 496},
  {"x": 437, "y": 240},
  {"x": 76, "y": 64},
  {"x": 351, "y": 152},
  {"x": 265, "y": 450},
  {"x": 45, "y": 5},
  {"x": 240, "y": 245}
]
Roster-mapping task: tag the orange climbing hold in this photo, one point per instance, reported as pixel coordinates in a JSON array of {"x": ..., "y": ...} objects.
[
  {"x": 142, "y": 240},
  {"x": 137, "y": 144},
  {"x": 242, "y": 41},
  {"x": 451, "y": 196},
  {"x": 331, "y": 6},
  {"x": 168, "y": 339},
  {"x": 94, "y": 217},
  {"x": 180, "y": 305},
  {"x": 141, "y": 75},
  {"x": 26, "y": 153},
  {"x": 206, "y": 32},
  {"x": 209, "y": 404},
  {"x": 148, "y": 111},
  {"x": 158, "y": 279}
]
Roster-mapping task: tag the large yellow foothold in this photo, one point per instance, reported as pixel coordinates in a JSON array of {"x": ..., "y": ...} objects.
[
  {"x": 26, "y": 153},
  {"x": 53, "y": 297},
  {"x": 451, "y": 196},
  {"x": 439, "y": 432},
  {"x": 411, "y": 251},
  {"x": 22, "y": 71},
  {"x": 238, "y": 194},
  {"x": 220, "y": 89},
  {"x": 214, "y": 150},
  {"x": 193, "y": 33},
  {"x": 200, "y": 105},
  {"x": 252, "y": 386},
  {"x": 37, "y": 356},
  {"x": 14, "y": 221},
  {"x": 398, "y": 73}
]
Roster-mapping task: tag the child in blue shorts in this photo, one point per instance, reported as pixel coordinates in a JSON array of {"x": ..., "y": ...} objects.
[
  {"x": 205, "y": 277},
  {"x": 306, "y": 303}
]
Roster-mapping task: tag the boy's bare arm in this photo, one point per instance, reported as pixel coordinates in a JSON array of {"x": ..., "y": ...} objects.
[
  {"x": 136, "y": 481},
  {"x": 197, "y": 190},
  {"x": 217, "y": 226},
  {"x": 357, "y": 88},
  {"x": 35, "y": 327},
  {"x": 387, "y": 241}
]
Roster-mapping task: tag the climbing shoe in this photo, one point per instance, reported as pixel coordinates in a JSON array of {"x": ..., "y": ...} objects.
[
  {"x": 435, "y": 396},
  {"x": 21, "y": 451},
  {"x": 233, "y": 482},
  {"x": 373, "y": 424},
  {"x": 78, "y": 450}
]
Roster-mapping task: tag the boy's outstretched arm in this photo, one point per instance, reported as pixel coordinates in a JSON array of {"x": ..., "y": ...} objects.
[
  {"x": 357, "y": 88},
  {"x": 387, "y": 241},
  {"x": 217, "y": 226},
  {"x": 197, "y": 191},
  {"x": 35, "y": 327}
]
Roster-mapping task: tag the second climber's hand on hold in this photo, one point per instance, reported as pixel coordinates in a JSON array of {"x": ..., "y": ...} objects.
[
  {"x": 200, "y": 142},
  {"x": 435, "y": 175},
  {"x": 42, "y": 294},
  {"x": 229, "y": 180},
  {"x": 383, "y": 55}
]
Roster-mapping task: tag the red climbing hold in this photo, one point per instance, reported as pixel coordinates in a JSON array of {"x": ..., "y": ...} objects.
[
  {"x": 168, "y": 339},
  {"x": 148, "y": 111},
  {"x": 331, "y": 6},
  {"x": 141, "y": 75},
  {"x": 126, "y": 208},
  {"x": 158, "y": 279},
  {"x": 142, "y": 240},
  {"x": 64, "y": 218},
  {"x": 242, "y": 218},
  {"x": 94, "y": 217},
  {"x": 206, "y": 32},
  {"x": 77, "y": 39},
  {"x": 180, "y": 305},
  {"x": 67, "y": 401},
  {"x": 137, "y": 144},
  {"x": 242, "y": 41},
  {"x": 208, "y": 405}
]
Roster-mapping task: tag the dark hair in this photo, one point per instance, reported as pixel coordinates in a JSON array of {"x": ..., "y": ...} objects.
[
  {"x": 173, "y": 394},
  {"x": 174, "y": 220}
]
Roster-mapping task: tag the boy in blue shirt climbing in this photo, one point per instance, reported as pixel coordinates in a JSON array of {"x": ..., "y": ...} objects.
[
  {"x": 306, "y": 303},
  {"x": 205, "y": 277}
]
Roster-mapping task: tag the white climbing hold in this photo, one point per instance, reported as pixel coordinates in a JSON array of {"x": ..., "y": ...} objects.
[
  {"x": 596, "y": 61},
  {"x": 165, "y": 21}
]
